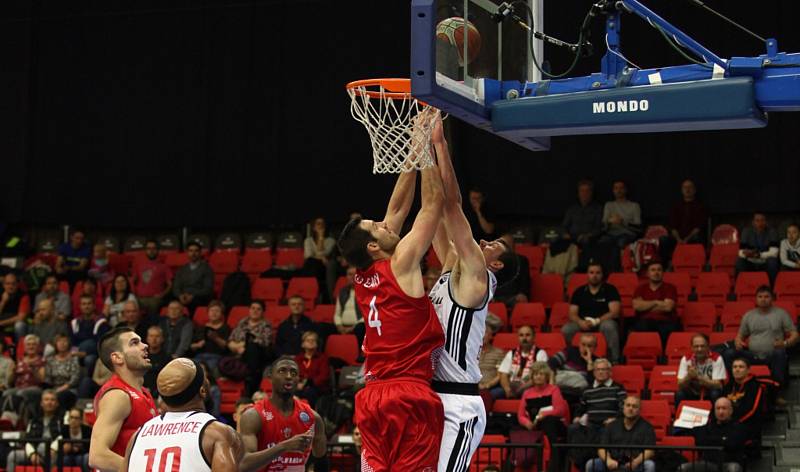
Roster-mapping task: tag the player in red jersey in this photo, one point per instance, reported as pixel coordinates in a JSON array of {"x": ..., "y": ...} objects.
[
  {"x": 277, "y": 431},
  {"x": 399, "y": 416},
  {"x": 122, "y": 405}
]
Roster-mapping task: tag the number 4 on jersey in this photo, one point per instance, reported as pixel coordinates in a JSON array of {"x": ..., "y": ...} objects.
[{"x": 372, "y": 319}]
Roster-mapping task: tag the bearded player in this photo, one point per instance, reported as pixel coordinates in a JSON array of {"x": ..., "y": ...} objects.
[
  {"x": 399, "y": 416},
  {"x": 123, "y": 404},
  {"x": 278, "y": 430},
  {"x": 460, "y": 298}
]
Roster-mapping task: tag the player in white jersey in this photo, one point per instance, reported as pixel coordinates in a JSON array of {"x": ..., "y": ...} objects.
[
  {"x": 460, "y": 298},
  {"x": 185, "y": 438}
]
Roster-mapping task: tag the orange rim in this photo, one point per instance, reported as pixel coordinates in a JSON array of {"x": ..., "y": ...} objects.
[{"x": 396, "y": 89}]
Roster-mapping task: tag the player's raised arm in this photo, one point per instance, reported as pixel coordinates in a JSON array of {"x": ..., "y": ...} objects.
[
  {"x": 223, "y": 446},
  {"x": 401, "y": 200},
  {"x": 319, "y": 447},
  {"x": 113, "y": 408}
]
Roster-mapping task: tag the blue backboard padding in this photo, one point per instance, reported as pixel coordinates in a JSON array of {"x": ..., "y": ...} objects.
[{"x": 701, "y": 105}]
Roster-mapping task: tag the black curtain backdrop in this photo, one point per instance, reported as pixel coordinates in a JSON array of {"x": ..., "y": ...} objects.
[{"x": 211, "y": 113}]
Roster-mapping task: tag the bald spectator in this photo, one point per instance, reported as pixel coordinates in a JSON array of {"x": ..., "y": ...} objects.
[
  {"x": 177, "y": 330},
  {"x": 759, "y": 248},
  {"x": 61, "y": 301},
  {"x": 194, "y": 283},
  {"x": 721, "y": 430},
  {"x": 515, "y": 370},
  {"x": 72, "y": 263},
  {"x": 630, "y": 430},
  {"x": 574, "y": 365},
  {"x": 15, "y": 306}
]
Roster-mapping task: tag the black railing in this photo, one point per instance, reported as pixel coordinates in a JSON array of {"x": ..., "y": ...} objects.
[{"x": 50, "y": 458}]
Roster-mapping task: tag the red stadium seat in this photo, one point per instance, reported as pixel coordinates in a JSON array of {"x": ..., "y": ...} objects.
[
  {"x": 630, "y": 376},
  {"x": 341, "y": 282},
  {"x": 547, "y": 289},
  {"x": 655, "y": 232},
  {"x": 678, "y": 345},
  {"x": 507, "y": 341},
  {"x": 224, "y": 262},
  {"x": 559, "y": 316},
  {"x": 732, "y": 314},
  {"x": 643, "y": 349},
  {"x": 758, "y": 370},
  {"x": 723, "y": 258},
  {"x": 237, "y": 314},
  {"x": 254, "y": 262},
  {"x": 289, "y": 257},
  {"x": 550, "y": 342},
  {"x": 747, "y": 283},
  {"x": 684, "y": 441},
  {"x": 176, "y": 260},
  {"x": 230, "y": 392},
  {"x": 658, "y": 414},
  {"x": 713, "y": 287},
  {"x": 663, "y": 383},
  {"x": 602, "y": 346},
  {"x": 531, "y": 314},
  {"x": 500, "y": 310},
  {"x": 200, "y": 316},
  {"x": 323, "y": 313},
  {"x": 689, "y": 258},
  {"x": 626, "y": 284},
  {"x": 723, "y": 337},
  {"x": 342, "y": 346},
  {"x": 683, "y": 283},
  {"x": 725, "y": 234},
  {"x": 506, "y": 406},
  {"x": 787, "y": 286},
  {"x": 576, "y": 280},
  {"x": 120, "y": 263},
  {"x": 787, "y": 305},
  {"x": 486, "y": 456},
  {"x": 276, "y": 314},
  {"x": 534, "y": 254},
  {"x": 270, "y": 290},
  {"x": 700, "y": 317},
  {"x": 306, "y": 287}
]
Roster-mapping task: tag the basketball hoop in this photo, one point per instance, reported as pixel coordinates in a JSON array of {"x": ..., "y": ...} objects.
[{"x": 398, "y": 124}]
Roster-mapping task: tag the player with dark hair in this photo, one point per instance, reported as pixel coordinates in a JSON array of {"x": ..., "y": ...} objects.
[
  {"x": 123, "y": 404},
  {"x": 185, "y": 435},
  {"x": 399, "y": 416},
  {"x": 277, "y": 431}
]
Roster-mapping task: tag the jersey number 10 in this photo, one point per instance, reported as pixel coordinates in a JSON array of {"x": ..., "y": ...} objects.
[
  {"x": 162, "y": 461},
  {"x": 372, "y": 319}
]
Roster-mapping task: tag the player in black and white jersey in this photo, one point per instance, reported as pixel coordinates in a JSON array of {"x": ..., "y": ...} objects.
[{"x": 460, "y": 297}]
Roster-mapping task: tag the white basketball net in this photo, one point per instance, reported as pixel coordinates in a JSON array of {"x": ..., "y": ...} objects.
[{"x": 400, "y": 140}]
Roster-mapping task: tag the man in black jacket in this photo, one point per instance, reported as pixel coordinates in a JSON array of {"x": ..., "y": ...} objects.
[
  {"x": 46, "y": 426},
  {"x": 721, "y": 430}
]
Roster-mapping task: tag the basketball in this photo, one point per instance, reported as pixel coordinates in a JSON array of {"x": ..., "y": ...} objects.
[{"x": 451, "y": 30}]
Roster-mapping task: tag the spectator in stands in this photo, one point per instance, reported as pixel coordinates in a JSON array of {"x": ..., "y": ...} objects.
[
  {"x": 770, "y": 331},
  {"x": 515, "y": 273},
  {"x": 258, "y": 396},
  {"x": 759, "y": 248},
  {"x": 133, "y": 318},
  {"x": 574, "y": 365},
  {"x": 73, "y": 259},
  {"x": 15, "y": 306},
  {"x": 701, "y": 374},
  {"x": 62, "y": 372},
  {"x": 99, "y": 270},
  {"x": 76, "y": 454},
  {"x": 480, "y": 216},
  {"x": 595, "y": 306},
  {"x": 46, "y": 425},
  {"x": 347, "y": 317},
  {"x": 210, "y": 341},
  {"x": 89, "y": 386},
  {"x": 790, "y": 248},
  {"x": 194, "y": 283},
  {"x": 177, "y": 330},
  {"x": 290, "y": 331},
  {"x": 632, "y": 429},
  {"x": 7, "y": 366},
  {"x": 357, "y": 441},
  {"x": 251, "y": 341},
  {"x": 318, "y": 249},
  {"x": 543, "y": 408},
  {"x": 61, "y": 301},
  {"x": 600, "y": 404},
  {"x": 152, "y": 279},
  {"x": 88, "y": 287},
  {"x": 721, "y": 430},
  {"x": 87, "y": 330},
  {"x": 159, "y": 357},
  {"x": 213, "y": 401},
  {"x": 46, "y": 325},
  {"x": 118, "y": 295},
  {"x": 622, "y": 218},
  {"x": 515, "y": 370},
  {"x": 241, "y": 405},
  {"x": 315, "y": 373},
  {"x": 583, "y": 221},
  {"x": 688, "y": 218},
  {"x": 654, "y": 304},
  {"x": 28, "y": 378},
  {"x": 489, "y": 362},
  {"x": 745, "y": 392}
]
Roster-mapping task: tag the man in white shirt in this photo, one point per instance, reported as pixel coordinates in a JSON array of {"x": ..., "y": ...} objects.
[
  {"x": 515, "y": 369},
  {"x": 701, "y": 373}
]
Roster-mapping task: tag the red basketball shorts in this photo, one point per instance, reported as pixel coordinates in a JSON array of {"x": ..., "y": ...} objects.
[{"x": 401, "y": 423}]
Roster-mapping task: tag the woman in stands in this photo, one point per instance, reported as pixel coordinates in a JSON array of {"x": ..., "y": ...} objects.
[
  {"x": 542, "y": 408},
  {"x": 315, "y": 373},
  {"x": 210, "y": 341},
  {"x": 119, "y": 293},
  {"x": 317, "y": 250},
  {"x": 28, "y": 377},
  {"x": 62, "y": 372}
]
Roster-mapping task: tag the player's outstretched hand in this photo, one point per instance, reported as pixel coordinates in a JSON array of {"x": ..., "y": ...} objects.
[
  {"x": 299, "y": 442},
  {"x": 437, "y": 130}
]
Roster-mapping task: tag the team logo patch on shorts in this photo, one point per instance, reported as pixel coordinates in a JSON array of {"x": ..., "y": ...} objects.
[{"x": 304, "y": 417}]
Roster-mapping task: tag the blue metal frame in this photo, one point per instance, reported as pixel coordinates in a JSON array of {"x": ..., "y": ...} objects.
[{"x": 775, "y": 78}]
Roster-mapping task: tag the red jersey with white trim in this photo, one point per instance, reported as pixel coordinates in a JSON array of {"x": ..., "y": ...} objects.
[
  {"x": 404, "y": 336},
  {"x": 276, "y": 428},
  {"x": 143, "y": 408}
]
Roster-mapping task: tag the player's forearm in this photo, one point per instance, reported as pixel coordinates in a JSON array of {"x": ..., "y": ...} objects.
[
  {"x": 256, "y": 460},
  {"x": 401, "y": 200},
  {"x": 105, "y": 460},
  {"x": 449, "y": 182}
]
